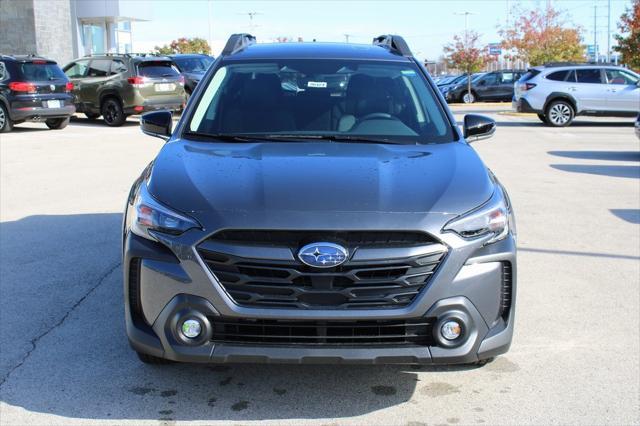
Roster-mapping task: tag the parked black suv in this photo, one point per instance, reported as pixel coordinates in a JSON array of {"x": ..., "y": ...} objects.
[
  {"x": 492, "y": 86},
  {"x": 33, "y": 89},
  {"x": 192, "y": 66},
  {"x": 317, "y": 202},
  {"x": 116, "y": 86}
]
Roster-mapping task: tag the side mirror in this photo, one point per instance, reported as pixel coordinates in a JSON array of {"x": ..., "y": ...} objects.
[
  {"x": 482, "y": 82},
  {"x": 157, "y": 123},
  {"x": 478, "y": 127}
]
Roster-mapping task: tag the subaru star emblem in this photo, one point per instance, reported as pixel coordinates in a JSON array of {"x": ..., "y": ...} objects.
[
  {"x": 323, "y": 255},
  {"x": 52, "y": 87}
]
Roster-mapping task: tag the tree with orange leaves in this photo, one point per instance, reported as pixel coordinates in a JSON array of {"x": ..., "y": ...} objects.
[
  {"x": 540, "y": 35},
  {"x": 629, "y": 44}
]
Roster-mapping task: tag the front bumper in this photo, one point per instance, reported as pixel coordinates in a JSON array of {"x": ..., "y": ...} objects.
[{"x": 163, "y": 285}]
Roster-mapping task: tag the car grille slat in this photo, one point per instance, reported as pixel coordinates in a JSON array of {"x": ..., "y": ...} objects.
[
  {"x": 279, "y": 332},
  {"x": 285, "y": 282}
]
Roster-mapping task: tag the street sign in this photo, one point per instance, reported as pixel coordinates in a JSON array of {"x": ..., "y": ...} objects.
[{"x": 495, "y": 49}]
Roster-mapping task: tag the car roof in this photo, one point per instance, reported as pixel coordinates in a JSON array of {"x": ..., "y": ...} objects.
[
  {"x": 315, "y": 50},
  {"x": 25, "y": 58},
  {"x": 187, "y": 55}
]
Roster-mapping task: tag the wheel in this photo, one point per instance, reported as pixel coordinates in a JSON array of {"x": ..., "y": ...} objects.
[
  {"x": 542, "y": 118},
  {"x": 559, "y": 113},
  {"x": 153, "y": 360},
  {"x": 91, "y": 115},
  {"x": 57, "y": 123},
  {"x": 468, "y": 97},
  {"x": 5, "y": 122},
  {"x": 112, "y": 112}
]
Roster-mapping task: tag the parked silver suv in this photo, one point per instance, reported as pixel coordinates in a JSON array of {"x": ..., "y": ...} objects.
[{"x": 560, "y": 92}]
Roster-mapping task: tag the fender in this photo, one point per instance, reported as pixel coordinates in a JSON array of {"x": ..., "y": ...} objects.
[{"x": 561, "y": 95}]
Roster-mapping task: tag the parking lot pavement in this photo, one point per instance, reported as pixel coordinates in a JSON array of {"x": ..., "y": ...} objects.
[{"x": 575, "y": 359}]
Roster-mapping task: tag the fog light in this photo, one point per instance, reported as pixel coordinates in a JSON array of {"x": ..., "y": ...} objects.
[
  {"x": 451, "y": 330},
  {"x": 191, "y": 328}
]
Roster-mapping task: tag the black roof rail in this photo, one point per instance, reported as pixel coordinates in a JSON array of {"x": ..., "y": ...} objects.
[
  {"x": 237, "y": 42},
  {"x": 394, "y": 43}
]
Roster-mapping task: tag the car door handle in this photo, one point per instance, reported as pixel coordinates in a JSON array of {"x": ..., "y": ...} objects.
[
  {"x": 572, "y": 88},
  {"x": 613, "y": 90}
]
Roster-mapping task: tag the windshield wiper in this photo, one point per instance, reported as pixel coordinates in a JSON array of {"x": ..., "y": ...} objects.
[{"x": 223, "y": 137}]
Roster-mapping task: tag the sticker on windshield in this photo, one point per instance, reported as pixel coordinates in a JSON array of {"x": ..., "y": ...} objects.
[
  {"x": 408, "y": 72},
  {"x": 317, "y": 84}
]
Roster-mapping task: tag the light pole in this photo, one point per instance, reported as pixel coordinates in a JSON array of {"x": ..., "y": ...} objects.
[{"x": 466, "y": 49}]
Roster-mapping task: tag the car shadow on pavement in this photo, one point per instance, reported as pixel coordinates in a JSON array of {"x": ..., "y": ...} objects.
[
  {"x": 599, "y": 155},
  {"x": 628, "y": 215},
  {"x": 63, "y": 323},
  {"x": 632, "y": 172},
  {"x": 82, "y": 121}
]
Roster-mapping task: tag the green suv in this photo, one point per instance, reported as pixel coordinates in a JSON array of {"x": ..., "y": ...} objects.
[{"x": 118, "y": 85}]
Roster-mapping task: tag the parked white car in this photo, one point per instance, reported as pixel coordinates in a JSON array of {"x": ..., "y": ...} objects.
[{"x": 560, "y": 92}]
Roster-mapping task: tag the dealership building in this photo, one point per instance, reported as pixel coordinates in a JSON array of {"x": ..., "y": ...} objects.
[{"x": 66, "y": 29}]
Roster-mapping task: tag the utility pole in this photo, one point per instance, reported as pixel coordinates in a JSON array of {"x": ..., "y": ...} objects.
[
  {"x": 466, "y": 47},
  {"x": 251, "y": 25},
  {"x": 346, "y": 37},
  {"x": 595, "y": 32},
  {"x": 609, "y": 31},
  {"x": 209, "y": 21}
]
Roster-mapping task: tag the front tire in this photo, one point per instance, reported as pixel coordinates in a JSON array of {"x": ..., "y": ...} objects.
[
  {"x": 6, "y": 125},
  {"x": 468, "y": 97},
  {"x": 57, "y": 123},
  {"x": 112, "y": 112},
  {"x": 559, "y": 113},
  {"x": 152, "y": 360}
]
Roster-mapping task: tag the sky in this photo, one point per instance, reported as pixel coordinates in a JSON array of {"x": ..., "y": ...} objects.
[{"x": 427, "y": 25}]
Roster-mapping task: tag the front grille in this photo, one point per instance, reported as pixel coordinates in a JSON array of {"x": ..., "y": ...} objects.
[
  {"x": 300, "y": 238},
  {"x": 343, "y": 333},
  {"x": 253, "y": 281}
]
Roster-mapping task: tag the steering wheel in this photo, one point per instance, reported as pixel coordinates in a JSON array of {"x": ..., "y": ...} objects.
[{"x": 378, "y": 115}]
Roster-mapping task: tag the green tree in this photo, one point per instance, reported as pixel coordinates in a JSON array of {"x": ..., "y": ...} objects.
[
  {"x": 541, "y": 35},
  {"x": 629, "y": 40},
  {"x": 465, "y": 54},
  {"x": 184, "y": 45}
]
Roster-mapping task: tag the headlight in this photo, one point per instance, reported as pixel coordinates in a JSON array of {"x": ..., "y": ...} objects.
[
  {"x": 149, "y": 215},
  {"x": 492, "y": 218}
]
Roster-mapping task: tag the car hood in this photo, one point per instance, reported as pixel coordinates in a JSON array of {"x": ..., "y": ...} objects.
[{"x": 263, "y": 185}]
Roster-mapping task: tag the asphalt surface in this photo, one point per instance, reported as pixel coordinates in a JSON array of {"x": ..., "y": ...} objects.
[{"x": 64, "y": 356}]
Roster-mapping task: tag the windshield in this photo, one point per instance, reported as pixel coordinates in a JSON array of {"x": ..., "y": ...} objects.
[
  {"x": 321, "y": 98},
  {"x": 45, "y": 71},
  {"x": 193, "y": 64},
  {"x": 156, "y": 69}
]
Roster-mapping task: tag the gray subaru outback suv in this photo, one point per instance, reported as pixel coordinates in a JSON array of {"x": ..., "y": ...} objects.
[{"x": 317, "y": 202}]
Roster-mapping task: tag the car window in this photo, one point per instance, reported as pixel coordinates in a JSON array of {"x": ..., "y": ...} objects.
[
  {"x": 99, "y": 68},
  {"x": 507, "y": 77},
  {"x": 322, "y": 98},
  {"x": 588, "y": 75},
  {"x": 4, "y": 74},
  {"x": 620, "y": 77},
  {"x": 118, "y": 66},
  {"x": 559, "y": 75},
  {"x": 490, "y": 79},
  {"x": 77, "y": 69},
  {"x": 198, "y": 64},
  {"x": 41, "y": 71},
  {"x": 156, "y": 69}
]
